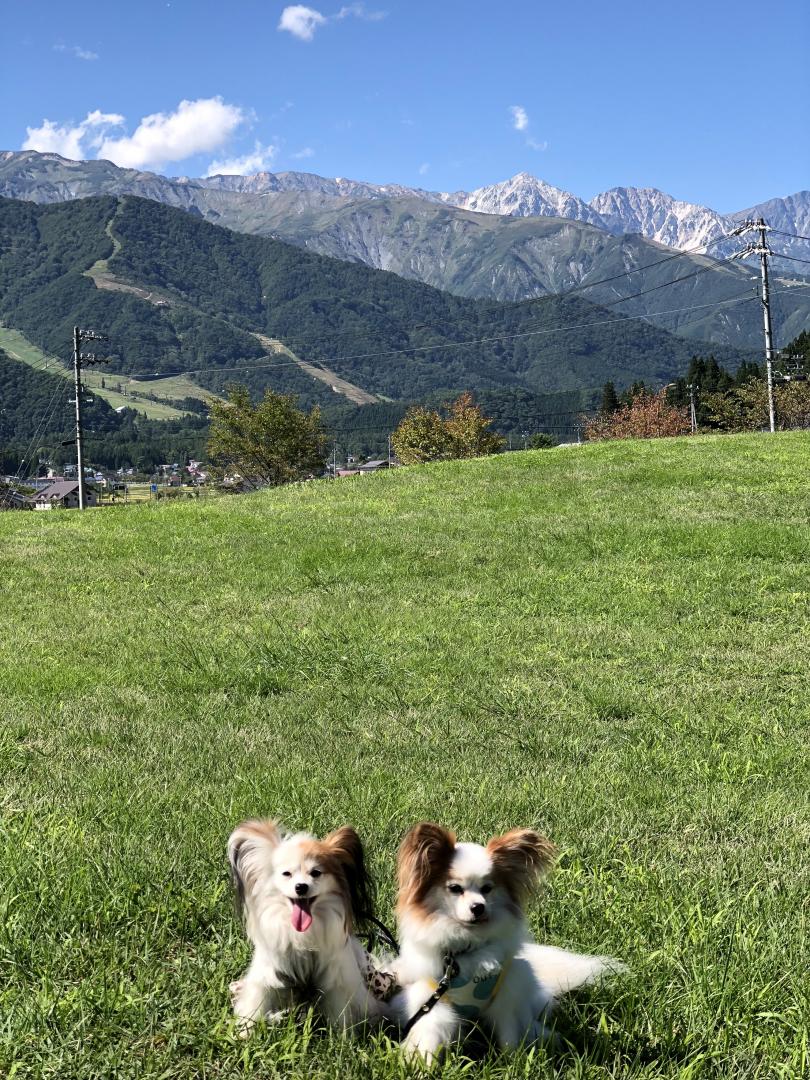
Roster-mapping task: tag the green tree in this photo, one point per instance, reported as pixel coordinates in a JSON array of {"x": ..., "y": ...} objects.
[
  {"x": 469, "y": 429},
  {"x": 610, "y": 399},
  {"x": 273, "y": 442},
  {"x": 541, "y": 441},
  {"x": 745, "y": 408},
  {"x": 425, "y": 435},
  {"x": 422, "y": 435}
]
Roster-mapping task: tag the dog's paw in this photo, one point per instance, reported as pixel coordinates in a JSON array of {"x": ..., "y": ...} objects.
[
  {"x": 234, "y": 988},
  {"x": 245, "y": 1026},
  {"x": 421, "y": 1051}
]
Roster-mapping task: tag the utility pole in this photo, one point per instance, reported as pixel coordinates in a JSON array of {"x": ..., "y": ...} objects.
[
  {"x": 760, "y": 226},
  {"x": 692, "y": 387},
  {"x": 389, "y": 451},
  {"x": 334, "y": 462},
  {"x": 88, "y": 359}
]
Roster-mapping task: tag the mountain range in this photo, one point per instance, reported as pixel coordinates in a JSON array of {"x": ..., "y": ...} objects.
[
  {"x": 649, "y": 212},
  {"x": 178, "y": 295},
  {"x": 514, "y": 240}
]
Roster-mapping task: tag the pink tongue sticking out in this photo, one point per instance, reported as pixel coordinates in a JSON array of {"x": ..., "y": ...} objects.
[{"x": 301, "y": 916}]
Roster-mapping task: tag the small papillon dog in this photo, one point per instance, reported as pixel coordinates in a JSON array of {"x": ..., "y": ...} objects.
[
  {"x": 461, "y": 920},
  {"x": 302, "y": 899}
]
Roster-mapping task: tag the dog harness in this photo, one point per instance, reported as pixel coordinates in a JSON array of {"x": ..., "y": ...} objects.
[{"x": 469, "y": 997}]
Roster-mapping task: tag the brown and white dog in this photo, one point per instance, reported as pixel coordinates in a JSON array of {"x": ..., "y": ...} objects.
[
  {"x": 465, "y": 902},
  {"x": 301, "y": 898}
]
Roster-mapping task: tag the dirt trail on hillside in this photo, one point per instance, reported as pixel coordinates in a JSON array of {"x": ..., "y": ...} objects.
[
  {"x": 340, "y": 385},
  {"x": 99, "y": 274}
]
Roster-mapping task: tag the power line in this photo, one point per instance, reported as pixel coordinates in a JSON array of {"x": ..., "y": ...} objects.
[
  {"x": 331, "y": 361},
  {"x": 663, "y": 285},
  {"x": 781, "y": 255},
  {"x": 81, "y": 359},
  {"x": 714, "y": 265},
  {"x": 793, "y": 235},
  {"x": 761, "y": 227},
  {"x": 44, "y": 420},
  {"x": 510, "y": 306},
  {"x": 634, "y": 270}
]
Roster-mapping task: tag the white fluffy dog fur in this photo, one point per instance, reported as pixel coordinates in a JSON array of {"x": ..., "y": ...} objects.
[
  {"x": 301, "y": 898},
  {"x": 467, "y": 901}
]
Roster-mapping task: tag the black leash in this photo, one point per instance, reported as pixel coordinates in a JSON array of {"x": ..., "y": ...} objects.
[
  {"x": 450, "y": 972},
  {"x": 383, "y": 933}
]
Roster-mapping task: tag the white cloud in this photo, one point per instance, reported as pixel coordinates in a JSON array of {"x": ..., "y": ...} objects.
[
  {"x": 536, "y": 144},
  {"x": 69, "y": 140},
  {"x": 520, "y": 118},
  {"x": 300, "y": 21},
  {"x": 424, "y": 168},
  {"x": 77, "y": 51},
  {"x": 306, "y": 152},
  {"x": 359, "y": 12},
  {"x": 259, "y": 160},
  {"x": 193, "y": 128}
]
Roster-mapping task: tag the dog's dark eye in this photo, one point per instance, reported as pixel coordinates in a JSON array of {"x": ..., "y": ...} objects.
[
  {"x": 457, "y": 889},
  {"x": 315, "y": 873},
  {"x": 286, "y": 873},
  {"x": 485, "y": 890}
]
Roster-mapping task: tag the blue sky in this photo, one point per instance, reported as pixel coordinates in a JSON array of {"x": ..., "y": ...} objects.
[{"x": 445, "y": 95}]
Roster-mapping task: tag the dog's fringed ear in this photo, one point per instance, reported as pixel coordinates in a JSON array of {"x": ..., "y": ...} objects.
[
  {"x": 346, "y": 846},
  {"x": 519, "y": 858},
  {"x": 424, "y": 856},
  {"x": 250, "y": 850}
]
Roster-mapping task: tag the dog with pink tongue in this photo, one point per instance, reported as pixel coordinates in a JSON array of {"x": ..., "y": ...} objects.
[{"x": 302, "y": 898}]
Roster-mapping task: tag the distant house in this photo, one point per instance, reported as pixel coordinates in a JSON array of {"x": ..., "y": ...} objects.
[
  {"x": 13, "y": 500},
  {"x": 373, "y": 466},
  {"x": 65, "y": 494},
  {"x": 39, "y": 483}
]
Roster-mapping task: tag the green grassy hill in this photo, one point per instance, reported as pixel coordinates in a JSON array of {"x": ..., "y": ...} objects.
[{"x": 606, "y": 642}]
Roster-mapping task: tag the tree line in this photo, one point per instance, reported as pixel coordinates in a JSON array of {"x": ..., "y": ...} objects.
[{"x": 723, "y": 400}]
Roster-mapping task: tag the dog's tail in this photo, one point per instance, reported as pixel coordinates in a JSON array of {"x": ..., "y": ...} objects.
[{"x": 560, "y": 971}]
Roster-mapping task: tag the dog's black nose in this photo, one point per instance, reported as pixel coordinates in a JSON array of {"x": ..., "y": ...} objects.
[
  {"x": 301, "y": 888},
  {"x": 477, "y": 910}
]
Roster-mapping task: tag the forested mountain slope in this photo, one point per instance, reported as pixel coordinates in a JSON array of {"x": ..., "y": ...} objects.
[
  {"x": 529, "y": 248},
  {"x": 197, "y": 293}
]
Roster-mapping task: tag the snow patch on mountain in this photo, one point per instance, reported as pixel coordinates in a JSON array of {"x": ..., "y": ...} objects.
[
  {"x": 657, "y": 216},
  {"x": 526, "y": 196}
]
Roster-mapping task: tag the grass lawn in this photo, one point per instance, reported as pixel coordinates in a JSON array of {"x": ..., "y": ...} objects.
[{"x": 606, "y": 642}]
